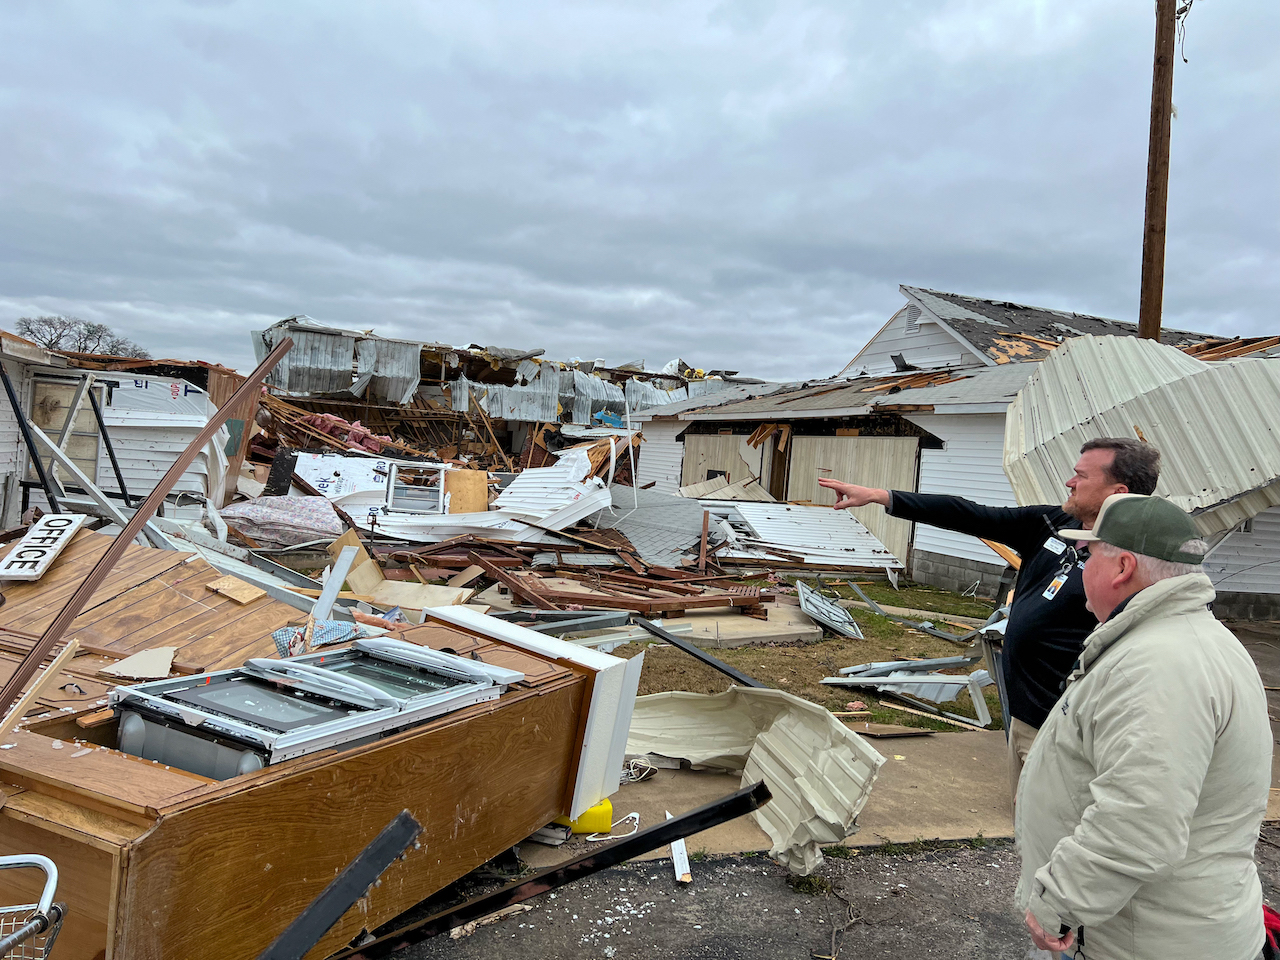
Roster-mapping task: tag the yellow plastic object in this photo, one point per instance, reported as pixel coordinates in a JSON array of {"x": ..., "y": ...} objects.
[{"x": 597, "y": 819}]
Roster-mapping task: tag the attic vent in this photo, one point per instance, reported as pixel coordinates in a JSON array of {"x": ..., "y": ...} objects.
[{"x": 911, "y": 316}]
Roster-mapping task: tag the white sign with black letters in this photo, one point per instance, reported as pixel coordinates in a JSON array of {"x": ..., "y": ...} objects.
[{"x": 40, "y": 546}]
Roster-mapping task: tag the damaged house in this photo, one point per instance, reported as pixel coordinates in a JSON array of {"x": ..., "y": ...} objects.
[{"x": 923, "y": 407}]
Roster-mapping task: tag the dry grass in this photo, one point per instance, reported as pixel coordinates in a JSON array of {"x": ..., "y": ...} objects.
[{"x": 798, "y": 668}]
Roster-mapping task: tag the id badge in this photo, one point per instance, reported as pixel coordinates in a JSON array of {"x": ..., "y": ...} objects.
[{"x": 1051, "y": 591}]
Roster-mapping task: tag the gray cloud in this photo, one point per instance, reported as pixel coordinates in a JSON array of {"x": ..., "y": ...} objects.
[{"x": 743, "y": 184}]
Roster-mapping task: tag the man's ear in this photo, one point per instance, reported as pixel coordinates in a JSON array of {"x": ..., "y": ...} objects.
[
  {"x": 1120, "y": 488},
  {"x": 1128, "y": 570}
]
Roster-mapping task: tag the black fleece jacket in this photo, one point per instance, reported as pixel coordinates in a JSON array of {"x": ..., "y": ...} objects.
[{"x": 1044, "y": 634}]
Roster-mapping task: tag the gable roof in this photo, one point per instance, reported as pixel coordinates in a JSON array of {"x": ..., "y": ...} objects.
[{"x": 1002, "y": 331}]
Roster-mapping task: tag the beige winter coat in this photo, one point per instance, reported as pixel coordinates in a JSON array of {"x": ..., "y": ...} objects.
[{"x": 1140, "y": 803}]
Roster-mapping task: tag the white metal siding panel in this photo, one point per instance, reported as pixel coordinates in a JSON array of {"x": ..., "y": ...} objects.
[
  {"x": 888, "y": 462},
  {"x": 1249, "y": 562},
  {"x": 661, "y": 456},
  {"x": 145, "y": 454},
  {"x": 814, "y": 531},
  {"x": 971, "y": 466},
  {"x": 931, "y": 347}
]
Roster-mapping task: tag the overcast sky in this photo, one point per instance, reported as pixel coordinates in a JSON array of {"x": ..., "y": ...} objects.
[{"x": 742, "y": 184}]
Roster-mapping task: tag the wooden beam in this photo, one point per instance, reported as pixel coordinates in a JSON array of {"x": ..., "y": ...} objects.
[
  {"x": 514, "y": 584},
  {"x": 51, "y": 673},
  {"x": 1151, "y": 303}
]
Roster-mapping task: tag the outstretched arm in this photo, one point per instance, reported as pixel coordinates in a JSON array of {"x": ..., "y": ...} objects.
[{"x": 852, "y": 495}]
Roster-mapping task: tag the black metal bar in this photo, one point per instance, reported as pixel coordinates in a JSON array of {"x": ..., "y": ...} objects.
[
  {"x": 30, "y": 441},
  {"x": 737, "y": 676},
  {"x": 345, "y": 889},
  {"x": 628, "y": 848},
  {"x": 111, "y": 451},
  {"x": 920, "y": 625}
]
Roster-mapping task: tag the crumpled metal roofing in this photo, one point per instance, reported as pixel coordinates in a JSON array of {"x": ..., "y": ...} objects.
[
  {"x": 822, "y": 536},
  {"x": 1217, "y": 426},
  {"x": 819, "y": 771},
  {"x": 322, "y": 360},
  {"x": 538, "y": 402}
]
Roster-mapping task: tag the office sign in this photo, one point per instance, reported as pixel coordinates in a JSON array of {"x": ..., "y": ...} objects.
[{"x": 40, "y": 546}]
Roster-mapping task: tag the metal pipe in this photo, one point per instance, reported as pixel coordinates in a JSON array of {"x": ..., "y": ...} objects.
[
  {"x": 659, "y": 835},
  {"x": 111, "y": 451}
]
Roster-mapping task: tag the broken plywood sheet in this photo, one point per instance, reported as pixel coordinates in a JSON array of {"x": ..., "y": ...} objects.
[
  {"x": 153, "y": 664},
  {"x": 467, "y": 490},
  {"x": 819, "y": 771},
  {"x": 236, "y": 589},
  {"x": 365, "y": 578},
  {"x": 1214, "y": 423}
]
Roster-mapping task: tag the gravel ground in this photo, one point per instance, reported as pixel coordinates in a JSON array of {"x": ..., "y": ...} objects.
[{"x": 942, "y": 902}]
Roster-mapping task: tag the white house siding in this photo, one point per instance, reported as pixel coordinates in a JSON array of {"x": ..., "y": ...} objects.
[
  {"x": 661, "y": 456},
  {"x": 888, "y": 462},
  {"x": 931, "y": 346},
  {"x": 1249, "y": 562},
  {"x": 969, "y": 465}
]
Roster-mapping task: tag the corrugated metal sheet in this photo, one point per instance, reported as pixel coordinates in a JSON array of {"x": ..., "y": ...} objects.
[
  {"x": 969, "y": 465},
  {"x": 882, "y": 462},
  {"x": 1248, "y": 561},
  {"x": 661, "y": 456},
  {"x": 593, "y": 395},
  {"x": 713, "y": 396},
  {"x": 980, "y": 385},
  {"x": 395, "y": 371},
  {"x": 820, "y": 534},
  {"x": 820, "y": 772},
  {"x": 1217, "y": 425},
  {"x": 320, "y": 361},
  {"x": 536, "y": 403}
]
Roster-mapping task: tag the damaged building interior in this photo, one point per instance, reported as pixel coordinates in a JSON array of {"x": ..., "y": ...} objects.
[{"x": 255, "y": 624}]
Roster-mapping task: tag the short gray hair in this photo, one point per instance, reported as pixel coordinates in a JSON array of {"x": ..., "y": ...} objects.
[{"x": 1152, "y": 569}]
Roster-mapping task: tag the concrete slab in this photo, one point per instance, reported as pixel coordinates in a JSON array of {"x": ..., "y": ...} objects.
[{"x": 950, "y": 786}]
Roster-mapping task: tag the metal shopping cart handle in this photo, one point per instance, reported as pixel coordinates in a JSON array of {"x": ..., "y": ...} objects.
[{"x": 50, "y": 875}]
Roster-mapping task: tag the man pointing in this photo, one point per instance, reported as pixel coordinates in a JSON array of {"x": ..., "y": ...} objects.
[{"x": 1048, "y": 620}]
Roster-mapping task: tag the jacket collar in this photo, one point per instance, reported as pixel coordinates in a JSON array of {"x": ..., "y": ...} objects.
[{"x": 1168, "y": 598}]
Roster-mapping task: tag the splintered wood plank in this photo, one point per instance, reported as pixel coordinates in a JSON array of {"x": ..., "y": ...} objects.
[
  {"x": 111, "y": 779},
  {"x": 100, "y": 830},
  {"x": 261, "y": 869},
  {"x": 236, "y": 589}
]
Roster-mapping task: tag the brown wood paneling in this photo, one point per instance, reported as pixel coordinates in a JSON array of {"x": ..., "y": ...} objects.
[
  {"x": 261, "y": 854},
  {"x": 86, "y": 876}
]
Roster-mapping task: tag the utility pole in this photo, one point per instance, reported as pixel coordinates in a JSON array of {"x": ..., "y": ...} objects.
[{"x": 1153, "y": 235}]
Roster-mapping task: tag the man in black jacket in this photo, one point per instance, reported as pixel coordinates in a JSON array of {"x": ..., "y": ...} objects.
[{"x": 1048, "y": 621}]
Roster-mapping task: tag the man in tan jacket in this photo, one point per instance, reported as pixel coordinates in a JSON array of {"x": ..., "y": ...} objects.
[{"x": 1140, "y": 804}]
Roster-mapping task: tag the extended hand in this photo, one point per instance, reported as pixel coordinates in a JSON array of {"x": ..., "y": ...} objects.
[
  {"x": 852, "y": 495},
  {"x": 1046, "y": 942}
]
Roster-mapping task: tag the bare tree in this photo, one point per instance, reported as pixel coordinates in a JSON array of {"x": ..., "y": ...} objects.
[{"x": 58, "y": 332}]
